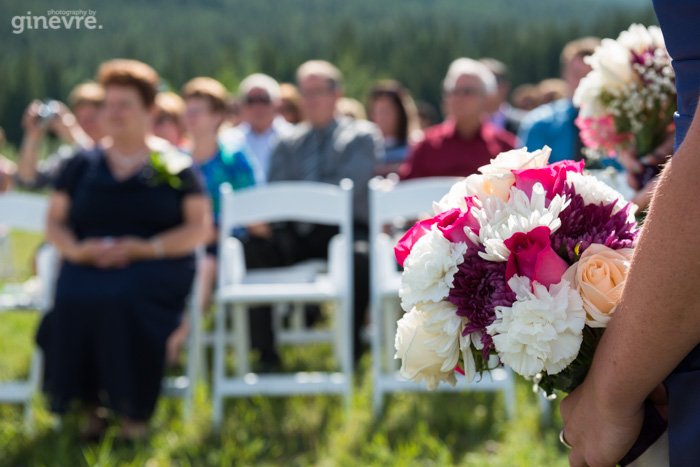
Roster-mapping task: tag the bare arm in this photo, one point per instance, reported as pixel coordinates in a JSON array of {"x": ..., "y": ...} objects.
[
  {"x": 655, "y": 325},
  {"x": 29, "y": 149}
]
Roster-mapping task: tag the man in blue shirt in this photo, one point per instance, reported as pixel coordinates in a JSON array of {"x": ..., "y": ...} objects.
[{"x": 553, "y": 124}]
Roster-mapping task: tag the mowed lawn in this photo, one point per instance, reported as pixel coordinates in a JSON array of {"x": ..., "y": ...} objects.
[{"x": 464, "y": 429}]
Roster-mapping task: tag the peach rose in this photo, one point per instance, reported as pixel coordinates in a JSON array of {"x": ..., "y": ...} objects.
[{"x": 599, "y": 276}]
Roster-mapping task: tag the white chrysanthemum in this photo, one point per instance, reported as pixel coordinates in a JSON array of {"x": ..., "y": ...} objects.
[
  {"x": 418, "y": 361},
  {"x": 496, "y": 178},
  {"x": 429, "y": 269},
  {"x": 542, "y": 330},
  {"x": 499, "y": 221},
  {"x": 594, "y": 191}
]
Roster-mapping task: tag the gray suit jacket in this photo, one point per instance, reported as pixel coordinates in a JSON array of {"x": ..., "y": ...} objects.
[{"x": 353, "y": 151}]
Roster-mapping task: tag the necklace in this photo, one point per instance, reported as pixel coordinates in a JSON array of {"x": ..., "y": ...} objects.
[{"x": 127, "y": 163}]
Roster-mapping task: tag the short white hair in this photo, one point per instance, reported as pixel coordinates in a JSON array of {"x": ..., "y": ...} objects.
[
  {"x": 469, "y": 67},
  {"x": 260, "y": 81}
]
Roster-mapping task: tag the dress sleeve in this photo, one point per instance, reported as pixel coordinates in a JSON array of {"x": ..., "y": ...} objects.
[
  {"x": 69, "y": 173},
  {"x": 192, "y": 181}
]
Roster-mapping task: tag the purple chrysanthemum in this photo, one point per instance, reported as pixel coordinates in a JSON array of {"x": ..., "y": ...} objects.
[
  {"x": 592, "y": 223},
  {"x": 479, "y": 287}
]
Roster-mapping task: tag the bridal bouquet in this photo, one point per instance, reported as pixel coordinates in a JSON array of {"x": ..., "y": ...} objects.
[
  {"x": 629, "y": 97},
  {"x": 525, "y": 261}
]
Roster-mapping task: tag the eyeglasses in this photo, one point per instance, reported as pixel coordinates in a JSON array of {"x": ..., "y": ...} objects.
[
  {"x": 315, "y": 93},
  {"x": 467, "y": 91},
  {"x": 261, "y": 99}
]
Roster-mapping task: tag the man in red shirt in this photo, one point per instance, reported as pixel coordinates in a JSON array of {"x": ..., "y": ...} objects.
[{"x": 466, "y": 140}]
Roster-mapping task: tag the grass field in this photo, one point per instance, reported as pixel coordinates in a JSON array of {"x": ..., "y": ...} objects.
[{"x": 459, "y": 429}]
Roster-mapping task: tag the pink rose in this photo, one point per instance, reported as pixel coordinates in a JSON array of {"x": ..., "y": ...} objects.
[
  {"x": 532, "y": 256},
  {"x": 451, "y": 223},
  {"x": 552, "y": 177}
]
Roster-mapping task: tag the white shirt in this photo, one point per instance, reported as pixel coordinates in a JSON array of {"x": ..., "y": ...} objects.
[{"x": 260, "y": 144}]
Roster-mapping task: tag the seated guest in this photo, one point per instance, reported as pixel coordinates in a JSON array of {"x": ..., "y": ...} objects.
[
  {"x": 427, "y": 115},
  {"x": 290, "y": 103},
  {"x": 77, "y": 129},
  {"x": 502, "y": 114},
  {"x": 325, "y": 148},
  {"x": 553, "y": 124},
  {"x": 553, "y": 89},
  {"x": 205, "y": 102},
  {"x": 467, "y": 140},
  {"x": 351, "y": 108},
  {"x": 126, "y": 220},
  {"x": 233, "y": 113},
  {"x": 392, "y": 109},
  {"x": 526, "y": 97},
  {"x": 168, "y": 123},
  {"x": 262, "y": 126}
]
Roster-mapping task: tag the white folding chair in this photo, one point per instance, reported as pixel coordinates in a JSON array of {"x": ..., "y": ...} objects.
[
  {"x": 238, "y": 289},
  {"x": 407, "y": 200},
  {"x": 183, "y": 386},
  {"x": 27, "y": 212}
]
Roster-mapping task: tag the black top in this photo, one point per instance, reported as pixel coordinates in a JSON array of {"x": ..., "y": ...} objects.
[{"x": 142, "y": 205}]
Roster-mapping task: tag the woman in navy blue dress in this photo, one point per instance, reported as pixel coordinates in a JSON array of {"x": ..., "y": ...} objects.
[
  {"x": 126, "y": 219},
  {"x": 655, "y": 335}
]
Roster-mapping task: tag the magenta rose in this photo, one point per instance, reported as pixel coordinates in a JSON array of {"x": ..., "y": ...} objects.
[
  {"x": 451, "y": 223},
  {"x": 532, "y": 256},
  {"x": 552, "y": 177}
]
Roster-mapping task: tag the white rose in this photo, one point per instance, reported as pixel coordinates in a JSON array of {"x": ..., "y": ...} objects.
[
  {"x": 443, "y": 321},
  {"x": 612, "y": 61},
  {"x": 418, "y": 362},
  {"x": 429, "y": 269}
]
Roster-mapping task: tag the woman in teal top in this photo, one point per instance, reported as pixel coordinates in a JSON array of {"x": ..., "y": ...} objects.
[{"x": 205, "y": 101}]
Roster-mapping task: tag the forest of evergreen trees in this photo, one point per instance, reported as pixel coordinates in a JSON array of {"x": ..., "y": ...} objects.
[{"x": 409, "y": 40}]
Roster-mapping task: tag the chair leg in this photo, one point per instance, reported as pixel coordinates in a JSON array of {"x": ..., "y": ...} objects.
[
  {"x": 219, "y": 364},
  {"x": 389, "y": 329},
  {"x": 347, "y": 342},
  {"x": 510, "y": 396},
  {"x": 35, "y": 372},
  {"x": 241, "y": 330}
]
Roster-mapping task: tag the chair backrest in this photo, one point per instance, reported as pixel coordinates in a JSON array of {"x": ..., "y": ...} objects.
[
  {"x": 390, "y": 201},
  {"x": 313, "y": 202},
  {"x": 408, "y": 200},
  {"x": 23, "y": 211}
]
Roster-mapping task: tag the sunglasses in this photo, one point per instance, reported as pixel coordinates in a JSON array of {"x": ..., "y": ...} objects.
[
  {"x": 251, "y": 100},
  {"x": 467, "y": 91}
]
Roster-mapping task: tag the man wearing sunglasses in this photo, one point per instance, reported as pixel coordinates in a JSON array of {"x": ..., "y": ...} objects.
[
  {"x": 262, "y": 126},
  {"x": 466, "y": 140}
]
